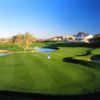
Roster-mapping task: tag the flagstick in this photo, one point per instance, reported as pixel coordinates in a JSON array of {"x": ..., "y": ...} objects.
[
  {"x": 49, "y": 63},
  {"x": 49, "y": 60}
]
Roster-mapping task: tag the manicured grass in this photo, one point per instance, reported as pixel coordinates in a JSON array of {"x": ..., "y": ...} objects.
[
  {"x": 96, "y": 51},
  {"x": 10, "y": 47},
  {"x": 32, "y": 72}
]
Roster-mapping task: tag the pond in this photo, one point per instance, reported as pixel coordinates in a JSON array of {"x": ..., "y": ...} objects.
[
  {"x": 44, "y": 49},
  {"x": 3, "y": 54}
]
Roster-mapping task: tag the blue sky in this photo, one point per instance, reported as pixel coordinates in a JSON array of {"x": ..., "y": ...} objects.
[{"x": 47, "y": 18}]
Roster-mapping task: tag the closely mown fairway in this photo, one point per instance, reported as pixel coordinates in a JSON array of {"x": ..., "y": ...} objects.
[{"x": 32, "y": 72}]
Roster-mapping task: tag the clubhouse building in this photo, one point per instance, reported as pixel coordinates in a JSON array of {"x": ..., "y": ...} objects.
[{"x": 80, "y": 37}]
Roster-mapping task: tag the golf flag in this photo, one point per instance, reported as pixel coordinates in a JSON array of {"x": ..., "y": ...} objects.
[{"x": 49, "y": 57}]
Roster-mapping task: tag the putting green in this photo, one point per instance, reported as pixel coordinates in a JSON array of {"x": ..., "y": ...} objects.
[{"x": 32, "y": 72}]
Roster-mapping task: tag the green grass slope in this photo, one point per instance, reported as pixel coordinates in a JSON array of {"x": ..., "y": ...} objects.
[
  {"x": 96, "y": 51},
  {"x": 32, "y": 72}
]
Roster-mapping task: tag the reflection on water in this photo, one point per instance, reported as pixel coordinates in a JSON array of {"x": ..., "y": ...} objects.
[
  {"x": 44, "y": 50},
  {"x": 4, "y": 54}
]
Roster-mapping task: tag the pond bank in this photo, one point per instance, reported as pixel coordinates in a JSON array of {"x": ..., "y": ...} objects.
[{"x": 3, "y": 51}]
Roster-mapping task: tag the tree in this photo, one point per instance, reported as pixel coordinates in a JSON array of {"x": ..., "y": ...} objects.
[
  {"x": 96, "y": 38},
  {"x": 23, "y": 40},
  {"x": 28, "y": 39},
  {"x": 95, "y": 41},
  {"x": 13, "y": 39},
  {"x": 19, "y": 39}
]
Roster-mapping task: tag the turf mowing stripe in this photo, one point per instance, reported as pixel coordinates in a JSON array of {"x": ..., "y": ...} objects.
[
  {"x": 95, "y": 71},
  {"x": 7, "y": 72},
  {"x": 30, "y": 73},
  {"x": 59, "y": 81},
  {"x": 38, "y": 79}
]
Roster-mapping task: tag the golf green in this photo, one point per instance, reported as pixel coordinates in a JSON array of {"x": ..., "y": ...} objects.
[{"x": 34, "y": 73}]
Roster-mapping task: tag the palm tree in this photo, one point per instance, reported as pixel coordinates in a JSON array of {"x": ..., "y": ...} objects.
[
  {"x": 13, "y": 40},
  {"x": 19, "y": 39},
  {"x": 28, "y": 39},
  {"x": 23, "y": 40}
]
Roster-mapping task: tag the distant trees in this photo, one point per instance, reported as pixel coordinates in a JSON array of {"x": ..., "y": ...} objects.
[
  {"x": 95, "y": 41},
  {"x": 19, "y": 39},
  {"x": 4, "y": 41},
  {"x": 23, "y": 39},
  {"x": 13, "y": 39},
  {"x": 96, "y": 38},
  {"x": 28, "y": 39}
]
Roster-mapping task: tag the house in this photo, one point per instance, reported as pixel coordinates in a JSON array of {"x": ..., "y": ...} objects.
[
  {"x": 83, "y": 37},
  {"x": 69, "y": 38},
  {"x": 57, "y": 38}
]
